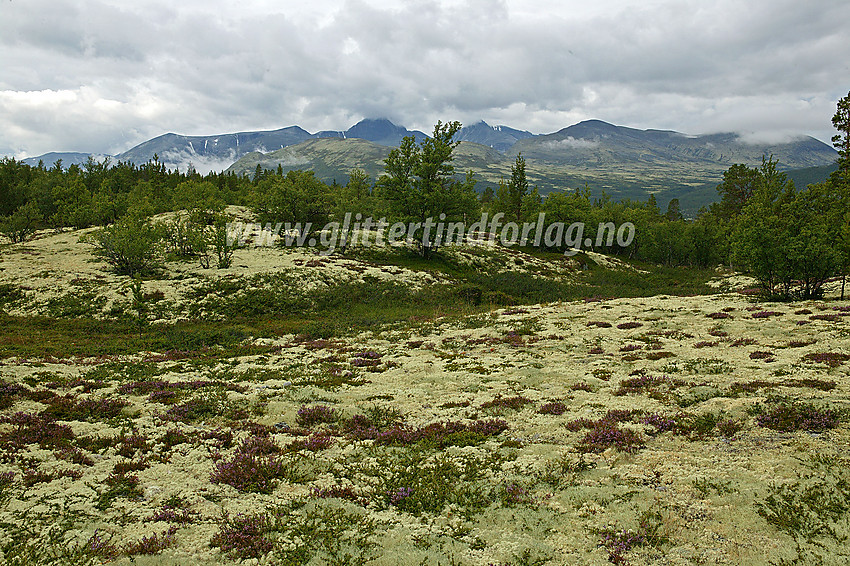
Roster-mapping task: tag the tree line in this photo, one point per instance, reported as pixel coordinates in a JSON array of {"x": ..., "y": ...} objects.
[{"x": 792, "y": 240}]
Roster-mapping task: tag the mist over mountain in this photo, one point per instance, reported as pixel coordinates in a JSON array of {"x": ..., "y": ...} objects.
[
  {"x": 594, "y": 143},
  {"x": 623, "y": 162},
  {"x": 211, "y": 152},
  {"x": 217, "y": 152}
]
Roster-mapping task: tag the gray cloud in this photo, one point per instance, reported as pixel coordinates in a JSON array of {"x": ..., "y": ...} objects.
[{"x": 101, "y": 76}]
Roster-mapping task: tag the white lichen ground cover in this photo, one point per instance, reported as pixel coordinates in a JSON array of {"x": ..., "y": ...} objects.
[{"x": 538, "y": 492}]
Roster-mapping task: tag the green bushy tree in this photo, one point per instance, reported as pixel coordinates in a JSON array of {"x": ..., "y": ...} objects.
[
  {"x": 515, "y": 198},
  {"x": 132, "y": 246},
  {"x": 20, "y": 225},
  {"x": 784, "y": 236},
  {"x": 738, "y": 186},
  {"x": 419, "y": 186},
  {"x": 297, "y": 197},
  {"x": 838, "y": 185}
]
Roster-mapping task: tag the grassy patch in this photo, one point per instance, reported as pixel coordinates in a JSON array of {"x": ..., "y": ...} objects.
[{"x": 43, "y": 337}]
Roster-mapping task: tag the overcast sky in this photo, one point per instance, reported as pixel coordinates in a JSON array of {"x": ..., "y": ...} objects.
[{"x": 102, "y": 76}]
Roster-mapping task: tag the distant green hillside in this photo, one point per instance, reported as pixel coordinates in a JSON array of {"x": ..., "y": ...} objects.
[
  {"x": 811, "y": 175},
  {"x": 330, "y": 158}
]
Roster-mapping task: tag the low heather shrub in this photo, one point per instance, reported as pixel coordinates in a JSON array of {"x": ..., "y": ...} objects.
[
  {"x": 641, "y": 384},
  {"x": 209, "y": 405},
  {"x": 32, "y": 476},
  {"x": 512, "y": 403},
  {"x": 554, "y": 408},
  {"x": 130, "y": 445},
  {"x": 750, "y": 386},
  {"x": 34, "y": 429},
  {"x": 174, "y": 437},
  {"x": 9, "y": 393},
  {"x": 826, "y": 317},
  {"x": 313, "y": 443},
  {"x": 100, "y": 546},
  {"x": 832, "y": 359},
  {"x": 513, "y": 494},
  {"x": 661, "y": 423},
  {"x": 606, "y": 435},
  {"x": 611, "y": 418},
  {"x": 659, "y": 355},
  {"x": 695, "y": 427},
  {"x": 399, "y": 495},
  {"x": 788, "y": 417},
  {"x": 249, "y": 473},
  {"x": 153, "y": 544},
  {"x": 719, "y": 315},
  {"x": 259, "y": 446},
  {"x": 762, "y": 355},
  {"x": 244, "y": 537},
  {"x": 325, "y": 534},
  {"x": 766, "y": 314},
  {"x": 121, "y": 468},
  {"x": 317, "y": 414},
  {"x": 339, "y": 492},
  {"x": 174, "y": 510},
  {"x": 221, "y": 438},
  {"x": 439, "y": 435},
  {"x": 69, "y": 408},
  {"x": 619, "y": 541},
  {"x": 368, "y": 359},
  {"x": 819, "y": 384}
]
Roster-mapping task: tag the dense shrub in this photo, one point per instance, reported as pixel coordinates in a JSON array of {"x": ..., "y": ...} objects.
[{"x": 131, "y": 245}]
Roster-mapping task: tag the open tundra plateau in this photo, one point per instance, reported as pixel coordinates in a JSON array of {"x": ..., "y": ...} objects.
[{"x": 218, "y": 416}]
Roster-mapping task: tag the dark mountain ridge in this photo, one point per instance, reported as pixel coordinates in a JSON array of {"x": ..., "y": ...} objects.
[{"x": 624, "y": 162}]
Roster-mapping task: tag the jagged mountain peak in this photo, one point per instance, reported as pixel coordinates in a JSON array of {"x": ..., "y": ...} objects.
[
  {"x": 500, "y": 138},
  {"x": 379, "y": 130}
]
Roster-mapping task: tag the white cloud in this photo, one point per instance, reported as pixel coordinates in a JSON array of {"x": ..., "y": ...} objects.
[
  {"x": 571, "y": 143},
  {"x": 182, "y": 160},
  {"x": 767, "y": 137}
]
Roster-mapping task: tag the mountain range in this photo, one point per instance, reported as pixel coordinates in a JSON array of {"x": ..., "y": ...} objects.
[
  {"x": 624, "y": 162},
  {"x": 218, "y": 152}
]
